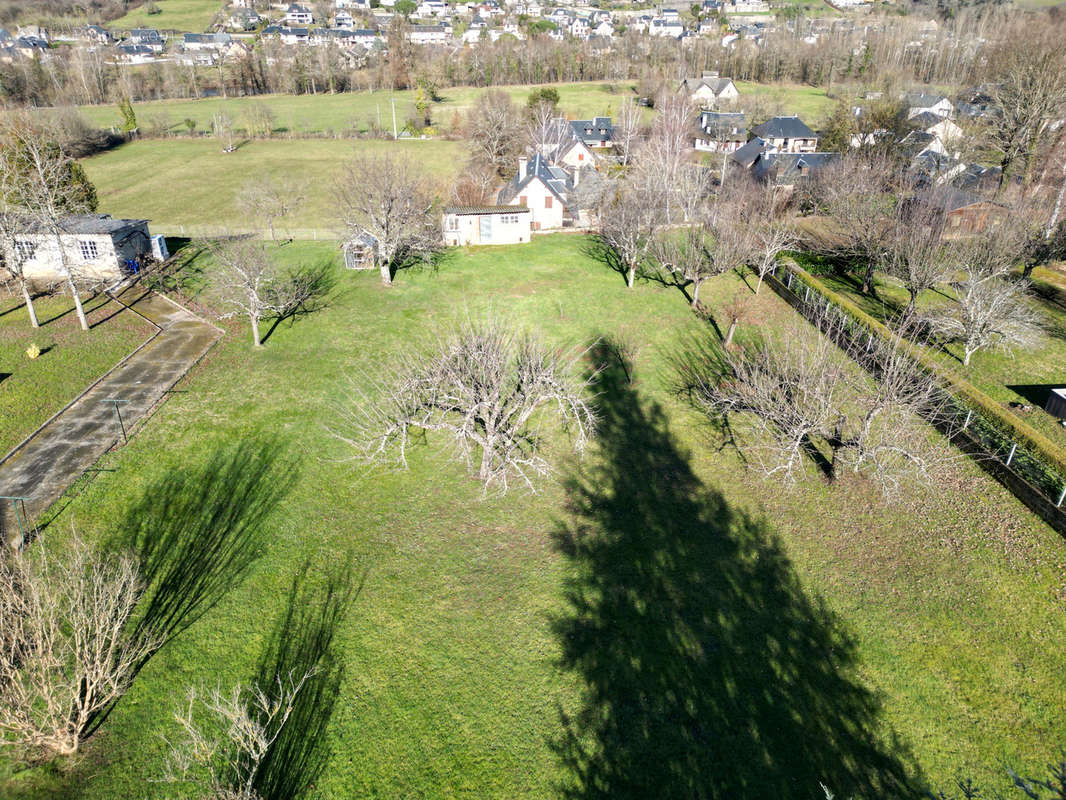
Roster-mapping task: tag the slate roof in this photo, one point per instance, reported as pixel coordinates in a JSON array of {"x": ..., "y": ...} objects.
[
  {"x": 555, "y": 178},
  {"x": 84, "y": 224},
  {"x": 783, "y": 128},
  {"x": 926, "y": 119},
  {"x": 716, "y": 85},
  {"x": 724, "y": 126},
  {"x": 749, "y": 153},
  {"x": 594, "y": 126},
  {"x": 790, "y": 167},
  {"x": 923, "y": 99}
]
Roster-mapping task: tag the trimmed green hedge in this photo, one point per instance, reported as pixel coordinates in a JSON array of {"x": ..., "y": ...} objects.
[{"x": 990, "y": 412}]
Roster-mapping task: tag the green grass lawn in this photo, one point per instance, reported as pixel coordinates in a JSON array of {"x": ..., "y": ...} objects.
[
  {"x": 734, "y": 636},
  {"x": 192, "y": 183},
  {"x": 1023, "y": 376},
  {"x": 71, "y": 359},
  {"x": 193, "y": 16},
  {"x": 338, "y": 113}
]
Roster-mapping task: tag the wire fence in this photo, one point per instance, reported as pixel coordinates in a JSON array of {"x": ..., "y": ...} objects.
[
  {"x": 1032, "y": 475},
  {"x": 200, "y": 231}
]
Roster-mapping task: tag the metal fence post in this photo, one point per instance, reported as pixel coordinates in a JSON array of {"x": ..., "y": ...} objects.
[
  {"x": 1062, "y": 496},
  {"x": 1010, "y": 456},
  {"x": 807, "y": 294},
  {"x": 969, "y": 414}
]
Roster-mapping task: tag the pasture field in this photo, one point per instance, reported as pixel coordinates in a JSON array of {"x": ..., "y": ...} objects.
[
  {"x": 192, "y": 183},
  {"x": 659, "y": 614},
  {"x": 192, "y": 16},
  {"x": 342, "y": 113},
  {"x": 33, "y": 390}
]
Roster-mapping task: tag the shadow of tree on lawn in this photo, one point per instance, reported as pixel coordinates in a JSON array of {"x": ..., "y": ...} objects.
[
  {"x": 197, "y": 532},
  {"x": 302, "y": 642},
  {"x": 707, "y": 670}
]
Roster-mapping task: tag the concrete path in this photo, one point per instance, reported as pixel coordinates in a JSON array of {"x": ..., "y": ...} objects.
[{"x": 50, "y": 460}]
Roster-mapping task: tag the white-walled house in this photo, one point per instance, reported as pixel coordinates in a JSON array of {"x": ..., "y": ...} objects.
[
  {"x": 787, "y": 135},
  {"x": 710, "y": 90},
  {"x": 486, "y": 225},
  {"x": 542, "y": 189},
  {"x": 98, "y": 249}
]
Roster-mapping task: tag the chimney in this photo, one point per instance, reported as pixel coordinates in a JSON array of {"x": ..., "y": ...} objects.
[{"x": 522, "y": 166}]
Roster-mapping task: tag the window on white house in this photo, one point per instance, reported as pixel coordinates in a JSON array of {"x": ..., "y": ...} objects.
[
  {"x": 453, "y": 223},
  {"x": 88, "y": 248},
  {"x": 24, "y": 250}
]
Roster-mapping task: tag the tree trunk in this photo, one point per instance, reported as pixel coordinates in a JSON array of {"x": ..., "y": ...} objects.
[
  {"x": 273, "y": 237},
  {"x": 758, "y": 284},
  {"x": 77, "y": 304},
  {"x": 729, "y": 333},
  {"x": 386, "y": 273},
  {"x": 1057, "y": 209},
  {"x": 966, "y": 357},
  {"x": 254, "y": 319},
  {"x": 630, "y": 276},
  {"x": 868, "y": 279},
  {"x": 696, "y": 294},
  {"x": 29, "y": 305}
]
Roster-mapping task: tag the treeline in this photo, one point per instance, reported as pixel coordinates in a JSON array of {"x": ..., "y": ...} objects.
[
  {"x": 886, "y": 54},
  {"x": 48, "y": 11}
]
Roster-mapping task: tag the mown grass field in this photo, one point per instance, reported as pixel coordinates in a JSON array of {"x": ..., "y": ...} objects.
[
  {"x": 32, "y": 390},
  {"x": 192, "y": 183},
  {"x": 193, "y": 16},
  {"x": 739, "y": 635},
  {"x": 339, "y": 113},
  {"x": 1021, "y": 376}
]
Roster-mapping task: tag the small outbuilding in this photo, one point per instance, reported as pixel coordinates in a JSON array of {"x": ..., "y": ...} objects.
[
  {"x": 360, "y": 251},
  {"x": 466, "y": 225},
  {"x": 95, "y": 248},
  {"x": 1056, "y": 403}
]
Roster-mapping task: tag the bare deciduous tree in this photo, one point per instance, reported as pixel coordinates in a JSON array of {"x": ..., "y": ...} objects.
[
  {"x": 388, "y": 198},
  {"x": 249, "y": 283},
  {"x": 45, "y": 185},
  {"x": 222, "y": 127},
  {"x": 489, "y": 389},
  {"x": 990, "y": 310},
  {"x": 626, "y": 129},
  {"x": 546, "y": 131},
  {"x": 629, "y": 216},
  {"x": 270, "y": 199},
  {"x": 772, "y": 230},
  {"x": 476, "y": 186},
  {"x": 228, "y": 736},
  {"x": 66, "y": 651},
  {"x": 914, "y": 248},
  {"x": 799, "y": 391},
  {"x": 859, "y": 196},
  {"x": 494, "y": 126},
  {"x": 1027, "y": 95}
]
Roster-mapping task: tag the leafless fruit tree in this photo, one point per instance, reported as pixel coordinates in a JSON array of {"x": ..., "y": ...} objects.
[
  {"x": 914, "y": 248},
  {"x": 66, "y": 650},
  {"x": 489, "y": 388},
  {"x": 990, "y": 311},
  {"x": 771, "y": 228},
  {"x": 476, "y": 186},
  {"x": 388, "y": 198},
  {"x": 228, "y": 735},
  {"x": 222, "y": 126},
  {"x": 630, "y": 214},
  {"x": 249, "y": 283},
  {"x": 858, "y": 196},
  {"x": 270, "y": 200},
  {"x": 44, "y": 185},
  {"x": 719, "y": 242},
  {"x": 800, "y": 391},
  {"x": 494, "y": 126}
]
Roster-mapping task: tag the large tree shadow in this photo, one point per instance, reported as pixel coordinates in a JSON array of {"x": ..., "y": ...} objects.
[
  {"x": 197, "y": 532},
  {"x": 707, "y": 670},
  {"x": 303, "y": 643}
]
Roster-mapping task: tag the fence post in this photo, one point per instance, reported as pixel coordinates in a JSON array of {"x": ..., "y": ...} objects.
[
  {"x": 807, "y": 294},
  {"x": 1062, "y": 496},
  {"x": 1010, "y": 456},
  {"x": 788, "y": 280},
  {"x": 969, "y": 414}
]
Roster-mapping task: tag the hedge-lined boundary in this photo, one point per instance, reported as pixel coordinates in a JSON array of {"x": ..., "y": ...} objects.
[{"x": 1013, "y": 443}]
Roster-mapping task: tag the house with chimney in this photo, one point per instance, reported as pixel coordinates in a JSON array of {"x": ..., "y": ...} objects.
[
  {"x": 710, "y": 90},
  {"x": 721, "y": 132},
  {"x": 556, "y": 197}
]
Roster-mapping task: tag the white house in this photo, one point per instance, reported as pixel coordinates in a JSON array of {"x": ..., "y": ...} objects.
[
  {"x": 430, "y": 34},
  {"x": 710, "y": 90},
  {"x": 542, "y": 189},
  {"x": 787, "y": 135},
  {"x": 721, "y": 132},
  {"x": 98, "y": 249},
  {"x": 467, "y": 225},
  {"x": 920, "y": 102},
  {"x": 296, "y": 14}
]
